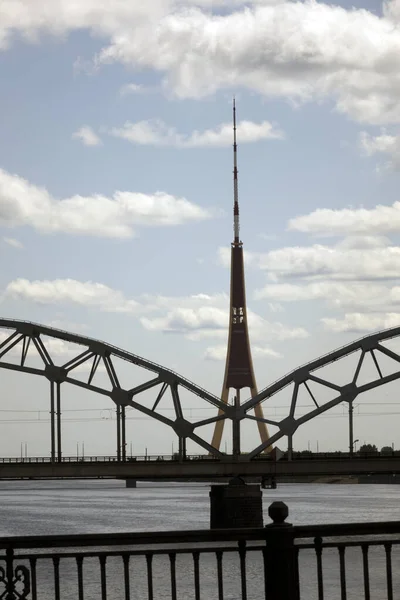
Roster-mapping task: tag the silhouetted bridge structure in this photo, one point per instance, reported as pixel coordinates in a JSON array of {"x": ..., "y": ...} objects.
[
  {"x": 20, "y": 339},
  {"x": 196, "y": 467}
]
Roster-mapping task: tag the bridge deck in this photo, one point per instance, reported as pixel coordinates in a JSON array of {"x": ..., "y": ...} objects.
[{"x": 196, "y": 468}]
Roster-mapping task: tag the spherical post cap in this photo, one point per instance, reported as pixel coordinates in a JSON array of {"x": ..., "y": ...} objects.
[{"x": 278, "y": 512}]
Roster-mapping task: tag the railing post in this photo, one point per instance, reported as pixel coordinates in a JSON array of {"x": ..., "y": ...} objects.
[{"x": 280, "y": 557}]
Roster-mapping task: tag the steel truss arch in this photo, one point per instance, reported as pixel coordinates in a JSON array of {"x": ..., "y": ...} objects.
[
  {"x": 370, "y": 344},
  {"x": 25, "y": 334}
]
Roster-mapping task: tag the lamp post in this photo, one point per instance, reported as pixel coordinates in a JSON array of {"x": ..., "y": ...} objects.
[{"x": 354, "y": 445}]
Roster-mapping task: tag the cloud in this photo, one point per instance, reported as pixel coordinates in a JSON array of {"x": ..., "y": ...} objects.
[
  {"x": 13, "y": 242},
  {"x": 365, "y": 259},
  {"x": 355, "y": 295},
  {"x": 219, "y": 353},
  {"x": 87, "y": 136},
  {"x": 382, "y": 144},
  {"x": 332, "y": 222},
  {"x": 361, "y": 322},
  {"x": 70, "y": 291},
  {"x": 198, "y": 317},
  {"x": 157, "y": 133},
  {"x": 24, "y": 204},
  {"x": 301, "y": 50},
  {"x": 211, "y": 319},
  {"x": 132, "y": 88}
]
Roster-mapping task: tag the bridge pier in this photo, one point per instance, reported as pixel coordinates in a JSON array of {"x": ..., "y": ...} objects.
[
  {"x": 235, "y": 505},
  {"x": 130, "y": 482}
]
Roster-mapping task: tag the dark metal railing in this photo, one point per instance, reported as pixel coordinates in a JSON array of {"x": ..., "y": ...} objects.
[
  {"x": 305, "y": 455},
  {"x": 277, "y": 562}
]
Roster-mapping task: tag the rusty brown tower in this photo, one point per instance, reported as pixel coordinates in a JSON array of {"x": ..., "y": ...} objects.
[{"x": 239, "y": 371}]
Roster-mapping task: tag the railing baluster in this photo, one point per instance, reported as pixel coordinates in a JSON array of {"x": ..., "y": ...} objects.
[
  {"x": 389, "y": 578},
  {"x": 220, "y": 575},
  {"x": 149, "y": 562},
  {"x": 342, "y": 562},
  {"x": 196, "y": 559},
  {"x": 125, "y": 558},
  {"x": 79, "y": 567},
  {"x": 172, "y": 560},
  {"x": 242, "y": 557},
  {"x": 365, "y": 548},
  {"x": 32, "y": 564},
  {"x": 103, "y": 576},
  {"x": 320, "y": 575}
]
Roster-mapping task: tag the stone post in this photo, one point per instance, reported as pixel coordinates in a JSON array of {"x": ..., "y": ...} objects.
[{"x": 281, "y": 569}]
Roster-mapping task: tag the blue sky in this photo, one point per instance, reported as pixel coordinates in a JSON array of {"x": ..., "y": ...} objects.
[{"x": 116, "y": 187}]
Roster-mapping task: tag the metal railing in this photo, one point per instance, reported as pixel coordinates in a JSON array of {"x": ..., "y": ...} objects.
[
  {"x": 304, "y": 455},
  {"x": 278, "y": 562},
  {"x": 95, "y": 459}
]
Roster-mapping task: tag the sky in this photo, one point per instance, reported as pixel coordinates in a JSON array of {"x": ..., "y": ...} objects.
[{"x": 116, "y": 197}]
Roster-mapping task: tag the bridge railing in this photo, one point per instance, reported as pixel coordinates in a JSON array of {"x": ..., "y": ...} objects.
[
  {"x": 94, "y": 459},
  {"x": 305, "y": 455},
  {"x": 278, "y": 562}
]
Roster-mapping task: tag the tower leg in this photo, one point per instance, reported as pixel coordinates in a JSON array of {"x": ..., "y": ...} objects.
[
  {"x": 262, "y": 427},
  {"x": 219, "y": 425}
]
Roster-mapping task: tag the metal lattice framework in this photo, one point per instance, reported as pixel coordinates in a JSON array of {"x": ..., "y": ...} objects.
[
  {"x": 93, "y": 353},
  {"x": 304, "y": 375}
]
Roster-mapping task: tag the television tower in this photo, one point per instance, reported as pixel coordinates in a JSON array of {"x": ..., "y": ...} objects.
[{"x": 239, "y": 371}]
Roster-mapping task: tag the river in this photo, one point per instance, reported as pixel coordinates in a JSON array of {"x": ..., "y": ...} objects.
[{"x": 73, "y": 507}]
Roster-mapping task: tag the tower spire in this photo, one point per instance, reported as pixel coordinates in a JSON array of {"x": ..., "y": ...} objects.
[
  {"x": 239, "y": 371},
  {"x": 236, "y": 227}
]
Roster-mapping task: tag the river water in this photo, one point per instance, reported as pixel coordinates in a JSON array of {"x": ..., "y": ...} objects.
[{"x": 63, "y": 507}]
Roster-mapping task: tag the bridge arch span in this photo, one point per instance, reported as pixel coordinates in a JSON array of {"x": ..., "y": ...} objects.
[
  {"x": 20, "y": 336},
  {"x": 368, "y": 345}
]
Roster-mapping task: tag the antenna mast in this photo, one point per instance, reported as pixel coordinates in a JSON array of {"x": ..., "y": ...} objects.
[{"x": 236, "y": 227}]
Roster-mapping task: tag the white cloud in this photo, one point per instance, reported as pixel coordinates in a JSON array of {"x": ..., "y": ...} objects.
[
  {"x": 362, "y": 322},
  {"x": 326, "y": 262},
  {"x": 355, "y": 295},
  {"x": 303, "y": 50},
  {"x": 64, "y": 291},
  {"x": 197, "y": 317},
  {"x": 13, "y": 242},
  {"x": 22, "y": 204},
  {"x": 219, "y": 353},
  {"x": 211, "y": 321},
  {"x": 331, "y": 222},
  {"x": 87, "y": 136},
  {"x": 382, "y": 144},
  {"x": 132, "y": 88},
  {"x": 157, "y": 133}
]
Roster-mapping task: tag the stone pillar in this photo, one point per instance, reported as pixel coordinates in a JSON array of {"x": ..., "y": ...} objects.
[
  {"x": 130, "y": 483},
  {"x": 235, "y": 505}
]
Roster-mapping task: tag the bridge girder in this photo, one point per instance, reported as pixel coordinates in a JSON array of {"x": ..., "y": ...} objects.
[
  {"x": 368, "y": 345},
  {"x": 94, "y": 352}
]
